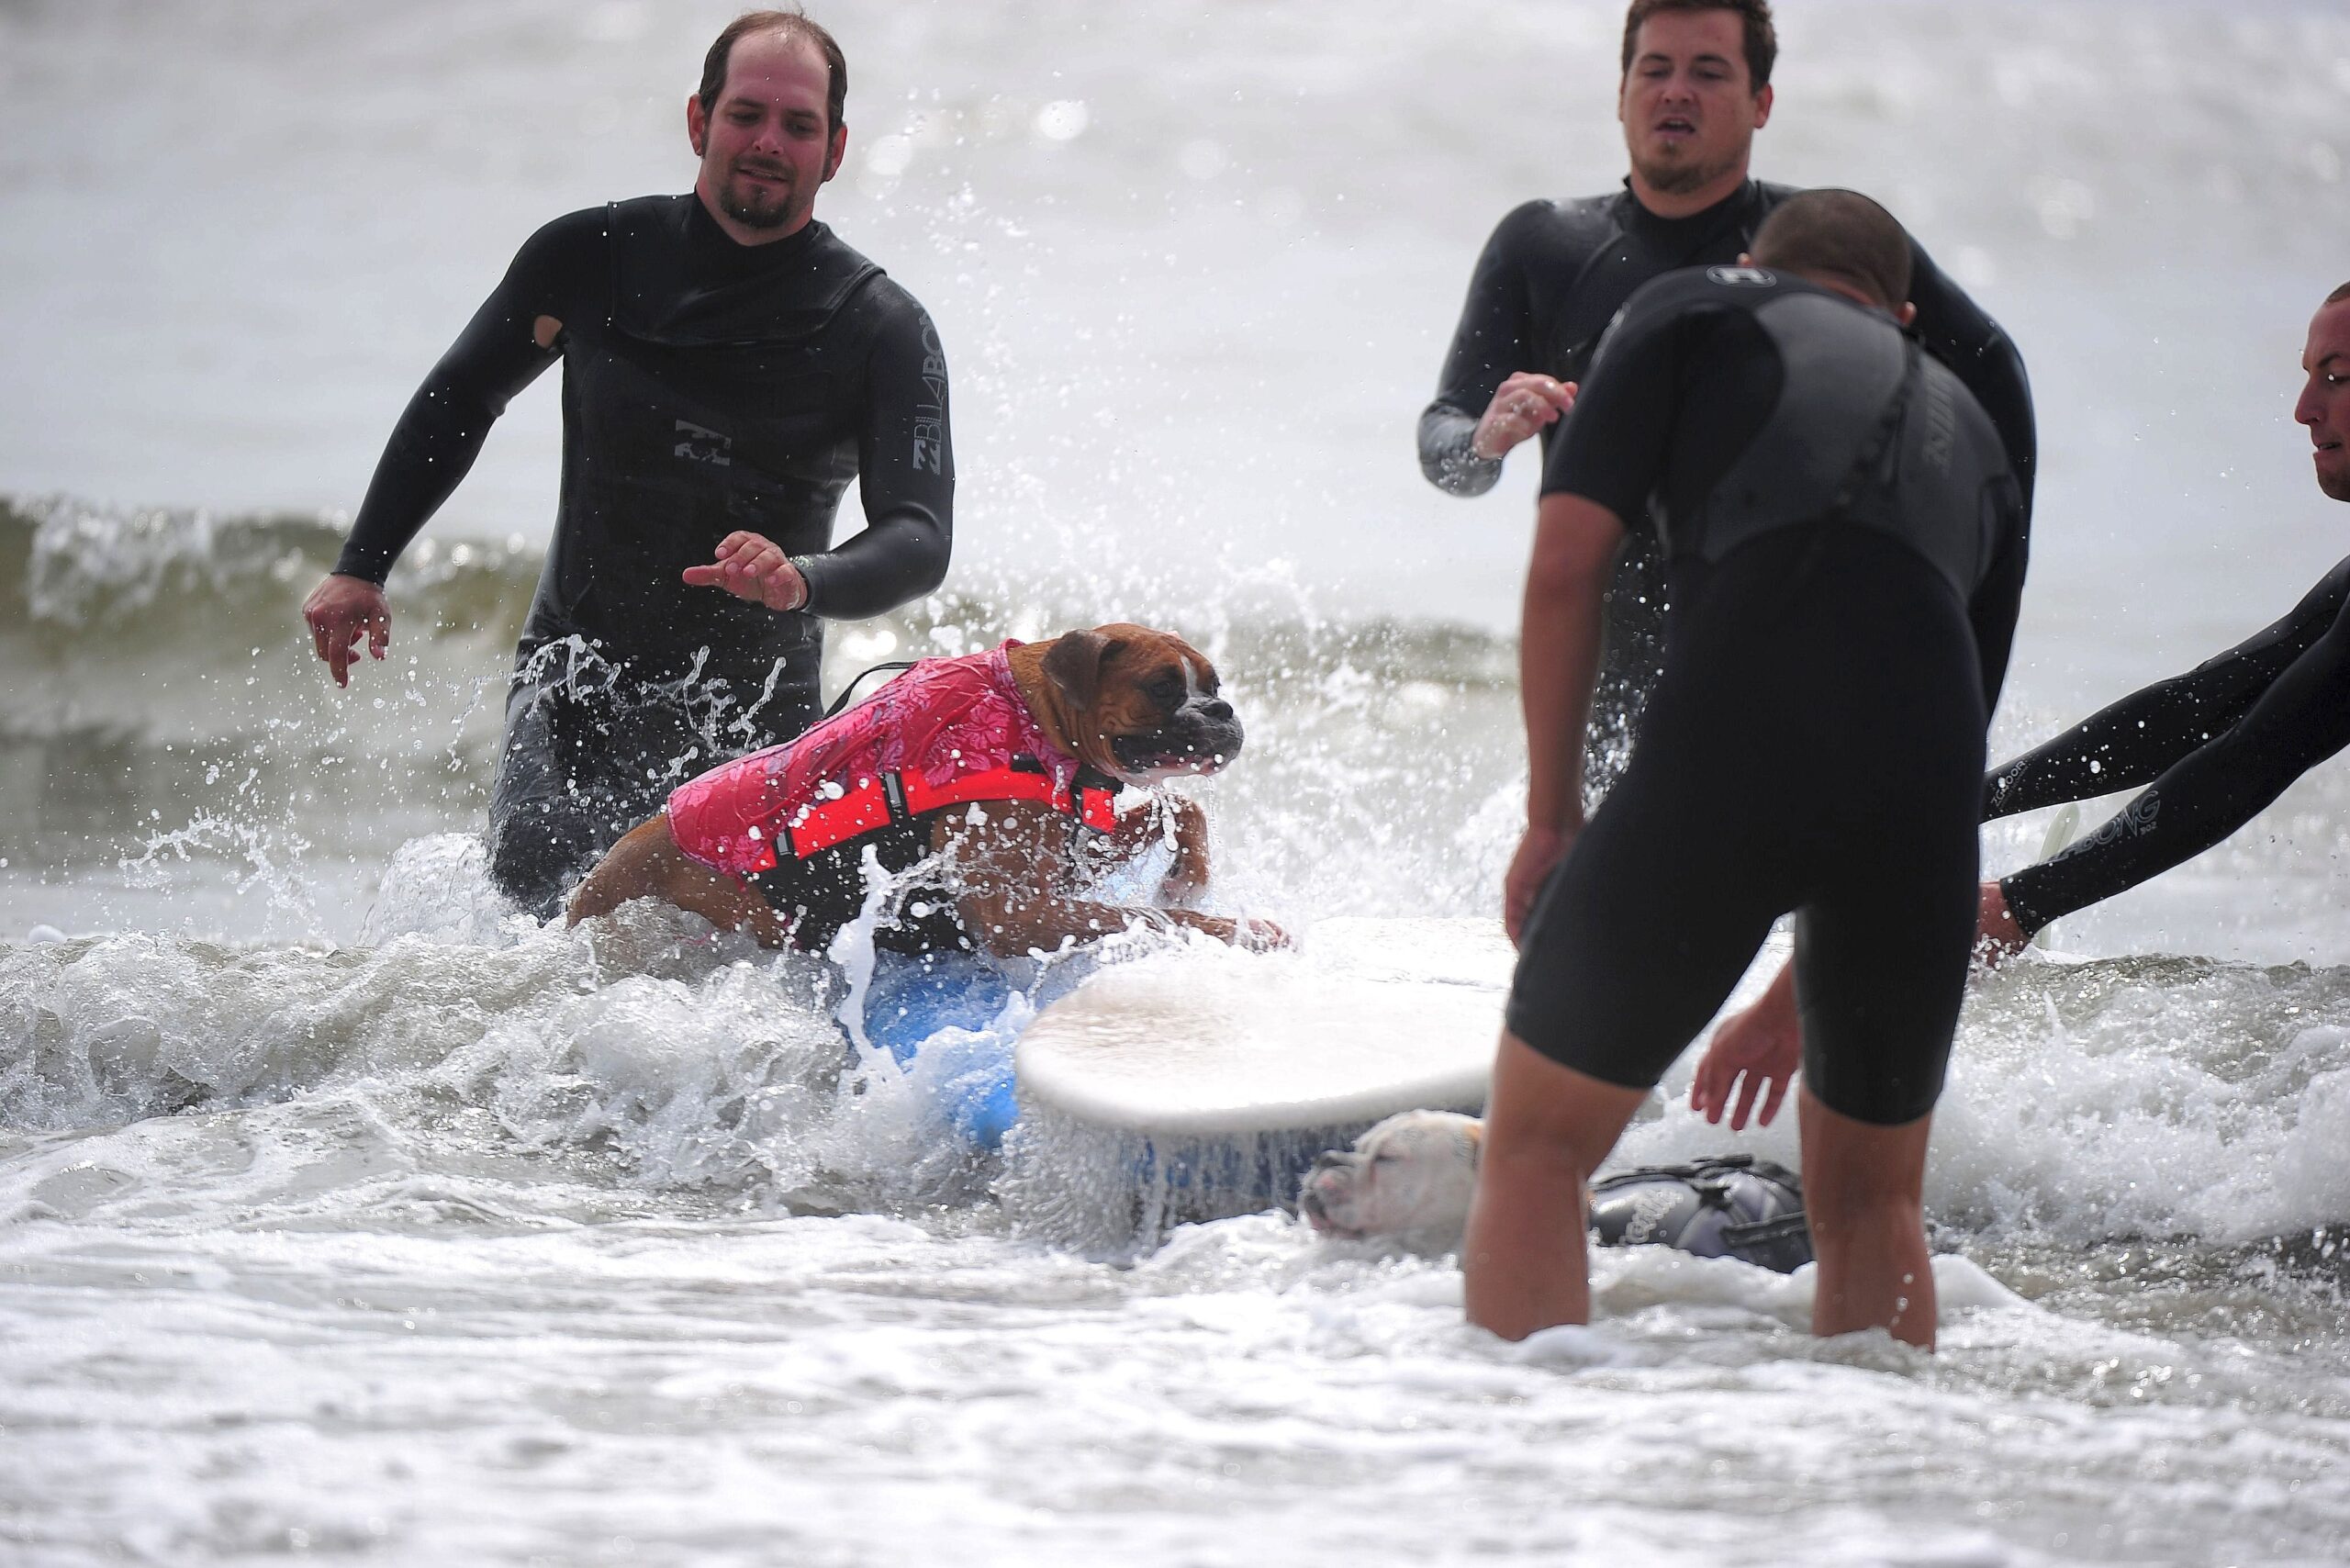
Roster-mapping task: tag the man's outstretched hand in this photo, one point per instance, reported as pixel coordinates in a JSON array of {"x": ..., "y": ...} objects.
[
  {"x": 1762, "y": 1046},
  {"x": 752, "y": 567},
  {"x": 340, "y": 610},
  {"x": 1999, "y": 935},
  {"x": 1541, "y": 849},
  {"x": 1522, "y": 404}
]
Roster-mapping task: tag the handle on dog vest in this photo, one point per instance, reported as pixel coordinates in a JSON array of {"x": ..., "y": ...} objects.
[{"x": 850, "y": 689}]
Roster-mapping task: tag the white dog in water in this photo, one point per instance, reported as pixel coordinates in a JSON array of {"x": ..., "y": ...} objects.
[{"x": 1410, "y": 1179}]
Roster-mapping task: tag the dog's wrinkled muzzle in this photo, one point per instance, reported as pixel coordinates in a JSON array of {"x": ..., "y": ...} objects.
[
  {"x": 1310, "y": 1200},
  {"x": 1203, "y": 737}
]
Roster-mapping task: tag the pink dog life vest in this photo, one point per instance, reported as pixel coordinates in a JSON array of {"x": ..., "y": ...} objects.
[{"x": 946, "y": 733}]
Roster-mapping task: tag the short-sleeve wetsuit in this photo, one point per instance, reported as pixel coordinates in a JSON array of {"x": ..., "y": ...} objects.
[
  {"x": 1550, "y": 280},
  {"x": 709, "y": 386},
  {"x": 1844, "y": 549},
  {"x": 2212, "y": 747}
]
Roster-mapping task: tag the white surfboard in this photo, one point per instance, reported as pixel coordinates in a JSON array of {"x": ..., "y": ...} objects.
[{"x": 1369, "y": 1018}]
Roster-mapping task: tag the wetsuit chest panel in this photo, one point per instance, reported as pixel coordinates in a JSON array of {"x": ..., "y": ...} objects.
[
  {"x": 1621, "y": 246},
  {"x": 1591, "y": 267},
  {"x": 703, "y": 442},
  {"x": 721, "y": 388},
  {"x": 729, "y": 377},
  {"x": 659, "y": 471},
  {"x": 677, "y": 279}
]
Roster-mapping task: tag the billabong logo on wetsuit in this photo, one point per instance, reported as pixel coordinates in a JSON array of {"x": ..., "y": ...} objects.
[
  {"x": 2134, "y": 819},
  {"x": 699, "y": 445},
  {"x": 1743, "y": 277},
  {"x": 930, "y": 419},
  {"x": 1942, "y": 426}
]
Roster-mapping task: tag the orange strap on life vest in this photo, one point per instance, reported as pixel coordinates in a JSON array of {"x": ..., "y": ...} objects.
[{"x": 873, "y": 804}]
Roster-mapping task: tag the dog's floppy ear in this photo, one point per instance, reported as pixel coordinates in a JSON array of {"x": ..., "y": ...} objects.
[{"x": 1074, "y": 665}]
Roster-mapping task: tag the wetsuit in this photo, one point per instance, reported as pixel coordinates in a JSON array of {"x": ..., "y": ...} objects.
[
  {"x": 2214, "y": 747},
  {"x": 708, "y": 386},
  {"x": 1551, "y": 279},
  {"x": 1844, "y": 551}
]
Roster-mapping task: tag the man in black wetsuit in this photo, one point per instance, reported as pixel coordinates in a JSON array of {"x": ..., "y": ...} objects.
[
  {"x": 1844, "y": 543},
  {"x": 1695, "y": 88},
  {"x": 2212, "y": 747},
  {"x": 729, "y": 365}
]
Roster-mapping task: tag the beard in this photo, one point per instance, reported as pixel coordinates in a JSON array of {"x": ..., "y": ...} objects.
[
  {"x": 756, "y": 208},
  {"x": 1676, "y": 175}
]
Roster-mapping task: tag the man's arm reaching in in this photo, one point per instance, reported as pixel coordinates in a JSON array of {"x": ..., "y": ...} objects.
[
  {"x": 510, "y": 340},
  {"x": 2301, "y": 720},
  {"x": 2130, "y": 743},
  {"x": 1575, "y": 543}
]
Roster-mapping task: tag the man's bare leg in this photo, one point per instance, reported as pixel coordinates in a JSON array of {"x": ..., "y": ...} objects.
[
  {"x": 1547, "y": 1128},
  {"x": 1862, "y": 1192}
]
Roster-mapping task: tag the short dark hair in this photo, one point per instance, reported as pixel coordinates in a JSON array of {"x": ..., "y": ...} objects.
[
  {"x": 2337, "y": 297},
  {"x": 791, "y": 24},
  {"x": 1843, "y": 234},
  {"x": 1761, "y": 39}
]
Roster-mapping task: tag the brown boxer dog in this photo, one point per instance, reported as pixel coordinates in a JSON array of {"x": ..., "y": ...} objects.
[{"x": 1138, "y": 705}]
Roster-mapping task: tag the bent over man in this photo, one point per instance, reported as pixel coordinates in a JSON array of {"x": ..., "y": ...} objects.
[
  {"x": 1844, "y": 543},
  {"x": 1694, "y": 88},
  {"x": 729, "y": 365}
]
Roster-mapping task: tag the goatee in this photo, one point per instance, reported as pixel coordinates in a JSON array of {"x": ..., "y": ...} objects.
[
  {"x": 753, "y": 213},
  {"x": 1672, "y": 177}
]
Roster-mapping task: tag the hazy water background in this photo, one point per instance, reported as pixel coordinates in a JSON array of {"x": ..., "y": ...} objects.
[{"x": 339, "y": 1214}]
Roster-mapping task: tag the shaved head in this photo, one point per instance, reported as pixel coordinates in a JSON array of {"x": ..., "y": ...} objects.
[{"x": 1841, "y": 234}]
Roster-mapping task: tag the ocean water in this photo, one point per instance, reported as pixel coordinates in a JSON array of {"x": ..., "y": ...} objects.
[{"x": 344, "y": 1214}]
